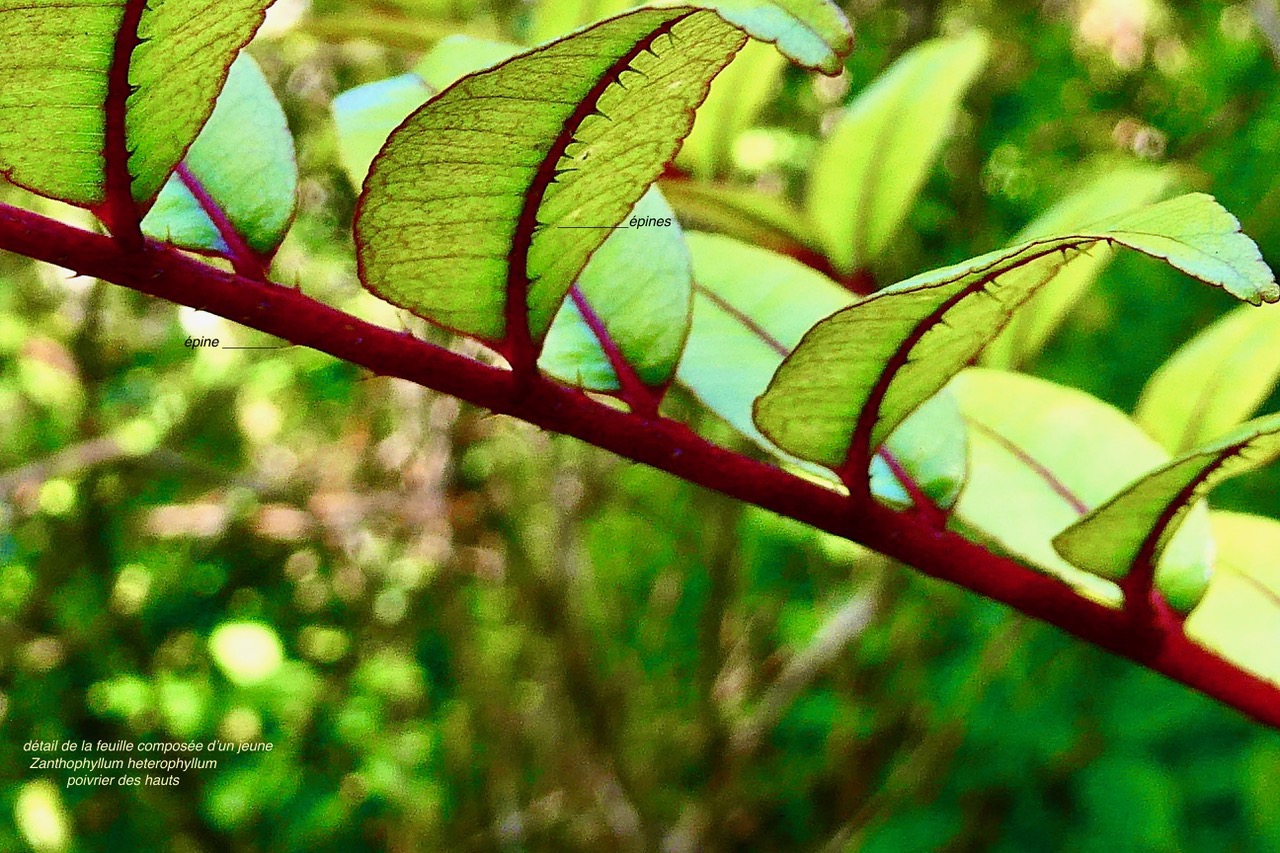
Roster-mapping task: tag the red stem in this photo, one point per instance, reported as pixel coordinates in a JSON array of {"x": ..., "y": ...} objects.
[{"x": 286, "y": 313}]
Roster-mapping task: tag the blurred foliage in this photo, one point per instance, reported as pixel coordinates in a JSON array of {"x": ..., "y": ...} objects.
[{"x": 461, "y": 633}]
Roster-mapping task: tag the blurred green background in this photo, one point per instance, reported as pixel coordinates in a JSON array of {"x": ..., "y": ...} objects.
[{"x": 467, "y": 634}]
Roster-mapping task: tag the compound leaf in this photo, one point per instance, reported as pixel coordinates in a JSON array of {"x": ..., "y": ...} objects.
[
  {"x": 873, "y": 165},
  {"x": 1214, "y": 381},
  {"x": 1136, "y": 525},
  {"x": 485, "y": 205},
  {"x": 57, "y": 101},
  {"x": 858, "y": 374},
  {"x": 1041, "y": 456},
  {"x": 242, "y": 164}
]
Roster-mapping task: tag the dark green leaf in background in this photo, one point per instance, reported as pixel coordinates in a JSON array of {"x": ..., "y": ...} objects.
[
  {"x": 872, "y": 166},
  {"x": 1214, "y": 381}
]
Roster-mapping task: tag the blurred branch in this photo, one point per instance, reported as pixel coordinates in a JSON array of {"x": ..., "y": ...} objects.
[
  {"x": 75, "y": 459},
  {"x": 840, "y": 629},
  {"x": 926, "y": 762}
]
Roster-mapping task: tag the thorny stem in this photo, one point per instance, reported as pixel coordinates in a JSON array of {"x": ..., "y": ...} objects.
[
  {"x": 118, "y": 209},
  {"x": 672, "y": 447}
]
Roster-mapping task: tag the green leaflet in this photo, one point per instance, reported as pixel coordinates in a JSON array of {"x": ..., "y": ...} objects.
[
  {"x": 1239, "y": 618},
  {"x": 55, "y": 59},
  {"x": 485, "y": 204},
  {"x": 813, "y": 33},
  {"x": 871, "y": 168},
  {"x": 735, "y": 101},
  {"x": 648, "y": 318},
  {"x": 1040, "y": 456},
  {"x": 638, "y": 283},
  {"x": 1214, "y": 381},
  {"x": 856, "y": 375},
  {"x": 1114, "y": 192},
  {"x": 1136, "y": 525},
  {"x": 243, "y": 159},
  {"x": 751, "y": 306}
]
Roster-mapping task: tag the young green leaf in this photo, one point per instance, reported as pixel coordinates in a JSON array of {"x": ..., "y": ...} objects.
[
  {"x": 873, "y": 165},
  {"x": 240, "y": 169},
  {"x": 485, "y": 205},
  {"x": 1112, "y": 193},
  {"x": 1041, "y": 455},
  {"x": 736, "y": 98},
  {"x": 813, "y": 33},
  {"x": 1239, "y": 617},
  {"x": 1214, "y": 381},
  {"x": 73, "y": 71},
  {"x": 636, "y": 291},
  {"x": 1133, "y": 528},
  {"x": 751, "y": 306},
  {"x": 858, "y": 374}
]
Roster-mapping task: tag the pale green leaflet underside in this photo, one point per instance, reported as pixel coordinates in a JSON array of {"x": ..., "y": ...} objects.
[
  {"x": 1041, "y": 455},
  {"x": 243, "y": 160}
]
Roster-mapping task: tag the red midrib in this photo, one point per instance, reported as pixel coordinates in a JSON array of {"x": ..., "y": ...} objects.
[
  {"x": 859, "y": 454},
  {"x": 517, "y": 344},
  {"x": 119, "y": 210}
]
